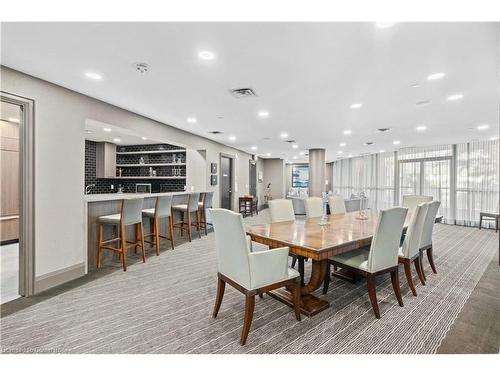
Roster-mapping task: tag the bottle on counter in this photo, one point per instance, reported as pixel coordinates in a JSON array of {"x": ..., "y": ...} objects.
[{"x": 151, "y": 171}]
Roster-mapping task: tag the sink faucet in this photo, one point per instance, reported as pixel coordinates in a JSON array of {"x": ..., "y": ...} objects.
[{"x": 88, "y": 188}]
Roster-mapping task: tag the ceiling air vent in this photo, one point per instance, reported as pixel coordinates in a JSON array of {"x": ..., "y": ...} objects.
[
  {"x": 215, "y": 132},
  {"x": 383, "y": 130},
  {"x": 369, "y": 143},
  {"x": 244, "y": 92},
  {"x": 289, "y": 141},
  {"x": 423, "y": 102}
]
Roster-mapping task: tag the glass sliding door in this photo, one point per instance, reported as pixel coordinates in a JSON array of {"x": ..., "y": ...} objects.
[{"x": 409, "y": 178}]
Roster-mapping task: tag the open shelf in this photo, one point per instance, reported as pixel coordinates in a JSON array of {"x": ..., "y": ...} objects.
[
  {"x": 151, "y": 165},
  {"x": 148, "y": 178},
  {"x": 150, "y": 152}
]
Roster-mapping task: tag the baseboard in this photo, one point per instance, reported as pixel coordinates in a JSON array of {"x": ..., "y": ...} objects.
[{"x": 59, "y": 277}]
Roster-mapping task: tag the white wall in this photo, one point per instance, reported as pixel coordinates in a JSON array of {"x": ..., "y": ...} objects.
[
  {"x": 60, "y": 116},
  {"x": 274, "y": 173}
]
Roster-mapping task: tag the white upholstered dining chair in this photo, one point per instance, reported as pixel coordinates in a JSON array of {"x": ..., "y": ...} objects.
[
  {"x": 382, "y": 257},
  {"x": 412, "y": 201},
  {"x": 426, "y": 238},
  {"x": 337, "y": 205},
  {"x": 410, "y": 251},
  {"x": 313, "y": 206},
  {"x": 249, "y": 272},
  {"x": 281, "y": 210}
]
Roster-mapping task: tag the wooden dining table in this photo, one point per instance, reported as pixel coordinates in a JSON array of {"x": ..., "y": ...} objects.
[{"x": 309, "y": 239}]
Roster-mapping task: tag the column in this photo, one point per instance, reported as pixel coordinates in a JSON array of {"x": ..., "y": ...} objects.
[{"x": 316, "y": 171}]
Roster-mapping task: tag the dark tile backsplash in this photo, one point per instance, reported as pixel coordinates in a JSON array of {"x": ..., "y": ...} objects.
[{"x": 103, "y": 185}]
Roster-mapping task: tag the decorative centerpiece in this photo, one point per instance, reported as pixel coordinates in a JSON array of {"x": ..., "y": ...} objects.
[
  {"x": 362, "y": 207},
  {"x": 324, "y": 218}
]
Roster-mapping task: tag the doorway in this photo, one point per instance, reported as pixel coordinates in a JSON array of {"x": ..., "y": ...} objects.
[
  {"x": 17, "y": 197},
  {"x": 226, "y": 181},
  {"x": 252, "y": 178}
]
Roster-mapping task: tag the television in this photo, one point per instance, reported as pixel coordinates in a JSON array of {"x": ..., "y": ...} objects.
[{"x": 300, "y": 176}]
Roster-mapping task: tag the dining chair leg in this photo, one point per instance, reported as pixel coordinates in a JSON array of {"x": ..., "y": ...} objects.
[
  {"x": 99, "y": 241},
  {"x": 326, "y": 283},
  {"x": 157, "y": 235},
  {"x": 409, "y": 277},
  {"x": 418, "y": 263},
  {"x": 395, "y": 286},
  {"x": 431, "y": 259},
  {"x": 421, "y": 256},
  {"x": 141, "y": 239},
  {"x": 480, "y": 221},
  {"x": 170, "y": 224},
  {"x": 123, "y": 245},
  {"x": 221, "y": 286},
  {"x": 261, "y": 295},
  {"x": 249, "y": 307},
  {"x": 189, "y": 224},
  {"x": 297, "y": 301},
  {"x": 370, "y": 281},
  {"x": 294, "y": 260}
]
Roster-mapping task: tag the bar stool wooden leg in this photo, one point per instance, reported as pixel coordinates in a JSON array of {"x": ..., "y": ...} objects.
[
  {"x": 170, "y": 223},
  {"x": 205, "y": 220},
  {"x": 156, "y": 232},
  {"x": 189, "y": 224},
  {"x": 141, "y": 238},
  {"x": 99, "y": 241},
  {"x": 123, "y": 248},
  {"x": 136, "y": 238},
  {"x": 198, "y": 223}
]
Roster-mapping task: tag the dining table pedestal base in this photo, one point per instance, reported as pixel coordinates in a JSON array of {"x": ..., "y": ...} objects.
[{"x": 310, "y": 305}]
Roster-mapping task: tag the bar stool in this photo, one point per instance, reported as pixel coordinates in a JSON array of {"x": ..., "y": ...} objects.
[
  {"x": 162, "y": 208},
  {"x": 190, "y": 207},
  {"x": 203, "y": 206},
  {"x": 130, "y": 214}
]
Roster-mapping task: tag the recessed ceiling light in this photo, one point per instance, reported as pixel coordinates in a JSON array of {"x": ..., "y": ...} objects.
[
  {"x": 13, "y": 119},
  {"x": 295, "y": 146},
  {"x": 116, "y": 139},
  {"x": 106, "y": 129},
  {"x": 415, "y": 85},
  {"x": 263, "y": 114},
  {"x": 340, "y": 152},
  {"x": 347, "y": 132},
  {"x": 294, "y": 157},
  {"x": 284, "y": 135},
  {"x": 88, "y": 131},
  {"x": 94, "y": 76},
  {"x": 385, "y": 25},
  {"x": 493, "y": 138},
  {"x": 396, "y": 142},
  {"x": 350, "y": 155},
  {"x": 356, "y": 105},
  {"x": 382, "y": 151},
  {"x": 435, "y": 76},
  {"x": 143, "y": 138},
  {"x": 483, "y": 127},
  {"x": 421, "y": 128},
  {"x": 268, "y": 154},
  {"x": 206, "y": 55},
  {"x": 454, "y": 97},
  {"x": 192, "y": 120},
  {"x": 301, "y": 153},
  {"x": 254, "y": 148},
  {"x": 343, "y": 144},
  {"x": 232, "y": 138}
]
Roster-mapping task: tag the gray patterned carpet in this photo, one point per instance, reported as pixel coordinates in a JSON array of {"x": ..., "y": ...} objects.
[{"x": 165, "y": 305}]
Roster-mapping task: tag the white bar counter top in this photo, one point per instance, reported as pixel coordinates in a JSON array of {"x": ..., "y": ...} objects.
[{"x": 118, "y": 196}]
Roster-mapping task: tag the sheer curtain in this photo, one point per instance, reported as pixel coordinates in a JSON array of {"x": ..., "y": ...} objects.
[
  {"x": 477, "y": 181},
  {"x": 385, "y": 180}
]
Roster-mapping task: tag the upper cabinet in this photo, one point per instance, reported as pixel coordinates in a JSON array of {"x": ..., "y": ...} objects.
[{"x": 105, "y": 160}]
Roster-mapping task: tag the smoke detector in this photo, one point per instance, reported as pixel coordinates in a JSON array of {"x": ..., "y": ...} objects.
[
  {"x": 142, "y": 68},
  {"x": 242, "y": 93}
]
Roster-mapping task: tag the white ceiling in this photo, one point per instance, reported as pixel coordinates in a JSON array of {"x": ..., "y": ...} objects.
[
  {"x": 102, "y": 132},
  {"x": 305, "y": 74}
]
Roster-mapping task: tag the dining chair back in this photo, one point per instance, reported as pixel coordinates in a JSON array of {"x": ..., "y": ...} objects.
[
  {"x": 412, "y": 201},
  {"x": 411, "y": 244},
  {"x": 385, "y": 244},
  {"x": 337, "y": 205},
  {"x": 281, "y": 210},
  {"x": 430, "y": 219},
  {"x": 313, "y": 207}
]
